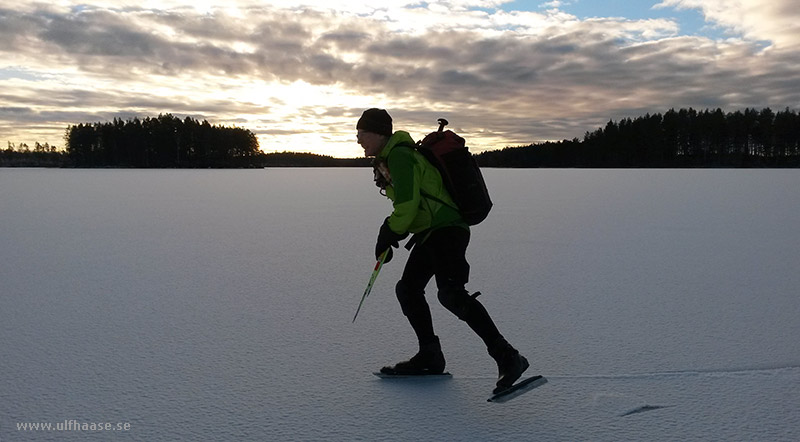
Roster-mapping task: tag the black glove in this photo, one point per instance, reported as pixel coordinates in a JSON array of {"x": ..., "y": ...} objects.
[{"x": 386, "y": 240}]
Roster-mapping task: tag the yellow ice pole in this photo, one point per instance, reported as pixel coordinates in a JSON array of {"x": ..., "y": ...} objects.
[{"x": 372, "y": 279}]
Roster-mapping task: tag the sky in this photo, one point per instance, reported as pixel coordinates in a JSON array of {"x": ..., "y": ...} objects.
[{"x": 299, "y": 73}]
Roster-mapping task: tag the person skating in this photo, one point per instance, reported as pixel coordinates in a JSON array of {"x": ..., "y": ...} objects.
[{"x": 423, "y": 207}]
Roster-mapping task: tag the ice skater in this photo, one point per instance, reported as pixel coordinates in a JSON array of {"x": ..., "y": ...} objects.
[{"x": 423, "y": 207}]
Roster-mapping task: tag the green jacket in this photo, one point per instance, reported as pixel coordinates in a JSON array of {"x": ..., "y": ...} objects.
[{"x": 420, "y": 199}]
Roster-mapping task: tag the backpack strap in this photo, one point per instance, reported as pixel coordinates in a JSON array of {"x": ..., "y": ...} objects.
[
  {"x": 438, "y": 200},
  {"x": 422, "y": 192},
  {"x": 418, "y": 238}
]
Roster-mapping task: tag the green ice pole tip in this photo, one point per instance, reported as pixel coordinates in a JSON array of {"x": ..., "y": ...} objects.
[{"x": 372, "y": 279}]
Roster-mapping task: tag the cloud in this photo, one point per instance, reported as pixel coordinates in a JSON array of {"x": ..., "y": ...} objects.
[
  {"x": 775, "y": 21},
  {"x": 297, "y": 73}
]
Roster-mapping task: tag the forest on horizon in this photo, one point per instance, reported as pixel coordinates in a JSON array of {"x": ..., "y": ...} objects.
[{"x": 675, "y": 139}]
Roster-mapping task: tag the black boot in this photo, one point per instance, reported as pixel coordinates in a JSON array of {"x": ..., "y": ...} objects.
[
  {"x": 429, "y": 360},
  {"x": 510, "y": 364}
]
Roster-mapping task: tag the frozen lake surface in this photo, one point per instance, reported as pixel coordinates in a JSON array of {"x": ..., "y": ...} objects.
[{"x": 216, "y": 305}]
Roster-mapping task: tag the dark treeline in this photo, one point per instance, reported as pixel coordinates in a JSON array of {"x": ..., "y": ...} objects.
[
  {"x": 297, "y": 159},
  {"x": 22, "y": 157},
  {"x": 684, "y": 138},
  {"x": 42, "y": 155},
  {"x": 168, "y": 141},
  {"x": 165, "y": 141},
  {"x": 162, "y": 142}
]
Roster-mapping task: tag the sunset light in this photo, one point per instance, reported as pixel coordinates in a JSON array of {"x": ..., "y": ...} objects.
[{"x": 298, "y": 74}]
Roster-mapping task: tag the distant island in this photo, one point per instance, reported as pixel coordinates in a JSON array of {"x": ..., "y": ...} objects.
[
  {"x": 165, "y": 141},
  {"x": 676, "y": 139}
]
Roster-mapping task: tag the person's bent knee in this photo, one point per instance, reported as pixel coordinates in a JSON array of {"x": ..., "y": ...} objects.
[
  {"x": 457, "y": 301},
  {"x": 407, "y": 296}
]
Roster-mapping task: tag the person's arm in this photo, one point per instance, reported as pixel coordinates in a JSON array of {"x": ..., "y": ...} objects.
[{"x": 406, "y": 189}]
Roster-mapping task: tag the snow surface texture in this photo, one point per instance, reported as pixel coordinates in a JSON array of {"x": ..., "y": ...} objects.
[{"x": 216, "y": 305}]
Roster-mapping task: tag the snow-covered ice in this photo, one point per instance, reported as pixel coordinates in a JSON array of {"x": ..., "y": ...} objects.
[{"x": 216, "y": 305}]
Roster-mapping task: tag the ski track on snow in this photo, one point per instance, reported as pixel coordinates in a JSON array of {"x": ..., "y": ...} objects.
[
  {"x": 624, "y": 405},
  {"x": 662, "y": 374}
]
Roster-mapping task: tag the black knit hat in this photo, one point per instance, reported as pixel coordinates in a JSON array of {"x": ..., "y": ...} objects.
[{"x": 376, "y": 121}]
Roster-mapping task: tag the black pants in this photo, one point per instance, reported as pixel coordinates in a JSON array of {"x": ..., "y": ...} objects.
[{"x": 442, "y": 254}]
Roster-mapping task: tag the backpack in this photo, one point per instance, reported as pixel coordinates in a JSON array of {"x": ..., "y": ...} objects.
[{"x": 460, "y": 173}]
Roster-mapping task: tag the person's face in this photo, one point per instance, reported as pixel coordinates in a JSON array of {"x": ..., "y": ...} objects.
[{"x": 372, "y": 143}]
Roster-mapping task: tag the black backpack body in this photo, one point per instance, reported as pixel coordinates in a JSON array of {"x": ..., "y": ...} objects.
[{"x": 460, "y": 173}]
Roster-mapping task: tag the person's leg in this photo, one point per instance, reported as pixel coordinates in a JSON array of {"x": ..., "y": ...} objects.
[
  {"x": 410, "y": 292},
  {"x": 449, "y": 248}
]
